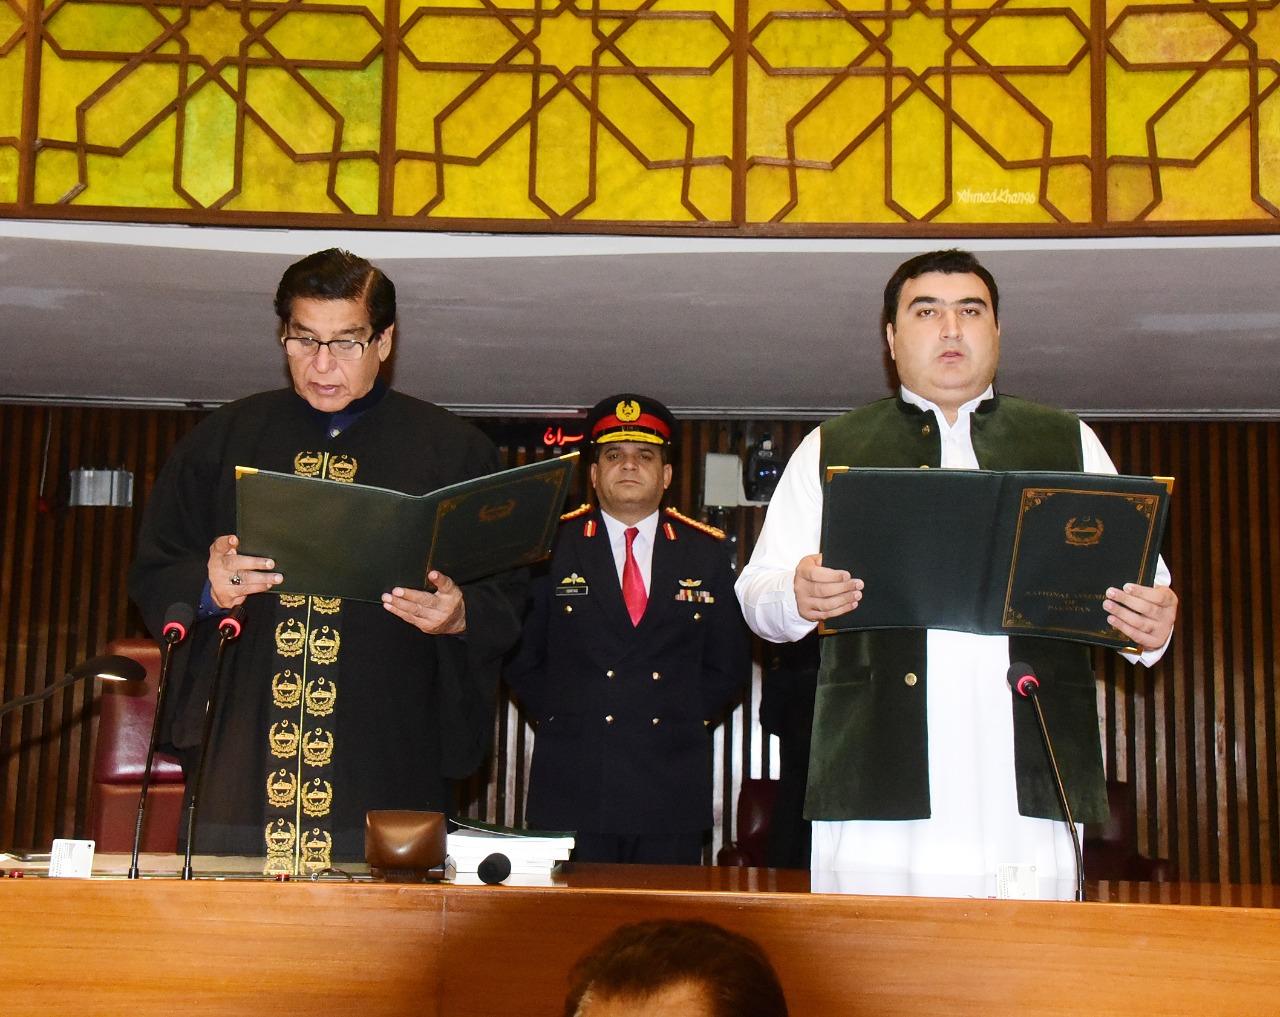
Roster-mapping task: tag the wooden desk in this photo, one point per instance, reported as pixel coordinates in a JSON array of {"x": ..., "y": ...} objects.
[{"x": 160, "y": 946}]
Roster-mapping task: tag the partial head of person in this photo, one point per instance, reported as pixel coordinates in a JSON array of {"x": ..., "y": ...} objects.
[
  {"x": 661, "y": 968},
  {"x": 337, "y": 323},
  {"x": 631, "y": 441},
  {"x": 941, "y": 321}
]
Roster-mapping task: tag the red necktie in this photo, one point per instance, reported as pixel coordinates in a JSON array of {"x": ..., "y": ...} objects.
[{"x": 632, "y": 585}]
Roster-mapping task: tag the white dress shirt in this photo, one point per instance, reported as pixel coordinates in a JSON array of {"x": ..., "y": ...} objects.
[
  {"x": 642, "y": 547},
  {"x": 974, "y": 828}
]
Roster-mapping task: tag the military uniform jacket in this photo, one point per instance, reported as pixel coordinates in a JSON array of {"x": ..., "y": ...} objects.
[{"x": 624, "y": 713}]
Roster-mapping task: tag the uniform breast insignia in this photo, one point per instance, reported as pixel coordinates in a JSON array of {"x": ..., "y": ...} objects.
[
  {"x": 342, "y": 468},
  {"x": 690, "y": 593},
  {"x": 327, "y": 605},
  {"x": 286, "y": 690},
  {"x": 572, "y": 585},
  {"x": 324, "y": 644},
  {"x": 291, "y": 636},
  {"x": 307, "y": 464},
  {"x": 283, "y": 739},
  {"x": 317, "y": 747},
  {"x": 281, "y": 787},
  {"x": 697, "y": 524},
  {"x": 321, "y": 696},
  {"x": 317, "y": 799}
]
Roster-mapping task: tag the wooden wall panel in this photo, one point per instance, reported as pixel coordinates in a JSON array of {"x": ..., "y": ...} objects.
[{"x": 1195, "y": 738}]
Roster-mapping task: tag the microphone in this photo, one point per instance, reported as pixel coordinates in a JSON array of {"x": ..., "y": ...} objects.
[
  {"x": 494, "y": 869},
  {"x": 229, "y": 629},
  {"x": 1022, "y": 680},
  {"x": 177, "y": 622},
  {"x": 110, "y": 667}
]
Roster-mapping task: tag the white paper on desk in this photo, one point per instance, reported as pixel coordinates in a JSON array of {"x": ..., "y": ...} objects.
[{"x": 71, "y": 859}]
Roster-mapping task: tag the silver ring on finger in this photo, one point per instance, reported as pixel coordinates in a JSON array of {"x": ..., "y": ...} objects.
[{"x": 235, "y": 579}]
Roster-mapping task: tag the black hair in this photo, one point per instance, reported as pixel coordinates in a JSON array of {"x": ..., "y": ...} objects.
[
  {"x": 641, "y": 959},
  {"x": 338, "y": 275},
  {"x": 949, "y": 262}
]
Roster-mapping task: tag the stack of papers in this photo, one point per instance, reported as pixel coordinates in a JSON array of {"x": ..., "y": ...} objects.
[{"x": 531, "y": 852}]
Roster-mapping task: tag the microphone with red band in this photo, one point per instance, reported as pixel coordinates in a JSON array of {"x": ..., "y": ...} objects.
[
  {"x": 178, "y": 619},
  {"x": 229, "y": 629},
  {"x": 177, "y": 623},
  {"x": 1022, "y": 680},
  {"x": 232, "y": 625}
]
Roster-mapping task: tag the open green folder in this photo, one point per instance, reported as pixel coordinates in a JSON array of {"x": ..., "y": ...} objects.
[
  {"x": 333, "y": 539},
  {"x": 1017, "y": 553}
]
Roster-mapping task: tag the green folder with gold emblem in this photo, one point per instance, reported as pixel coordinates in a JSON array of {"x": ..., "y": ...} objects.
[
  {"x": 1000, "y": 553},
  {"x": 334, "y": 539}
]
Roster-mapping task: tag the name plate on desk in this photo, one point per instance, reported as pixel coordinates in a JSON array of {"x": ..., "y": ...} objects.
[{"x": 1016, "y": 553}]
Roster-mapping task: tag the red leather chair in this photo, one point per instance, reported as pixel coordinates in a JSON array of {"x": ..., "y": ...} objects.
[
  {"x": 124, "y": 729},
  {"x": 755, "y": 814},
  {"x": 1111, "y": 848}
]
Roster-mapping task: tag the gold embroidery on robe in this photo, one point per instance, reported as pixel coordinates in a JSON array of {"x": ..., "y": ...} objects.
[
  {"x": 317, "y": 848},
  {"x": 279, "y": 837},
  {"x": 292, "y": 600},
  {"x": 291, "y": 636},
  {"x": 327, "y": 605},
  {"x": 342, "y": 468},
  {"x": 317, "y": 799},
  {"x": 322, "y": 694},
  {"x": 282, "y": 786},
  {"x": 283, "y": 739},
  {"x": 307, "y": 464},
  {"x": 324, "y": 643},
  {"x": 286, "y": 689},
  {"x": 317, "y": 747}
]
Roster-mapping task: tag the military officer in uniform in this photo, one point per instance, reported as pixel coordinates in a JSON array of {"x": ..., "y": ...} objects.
[{"x": 633, "y": 648}]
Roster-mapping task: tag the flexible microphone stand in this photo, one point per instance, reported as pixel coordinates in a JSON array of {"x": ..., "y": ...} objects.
[
  {"x": 228, "y": 631},
  {"x": 1022, "y": 680},
  {"x": 109, "y": 667},
  {"x": 178, "y": 621}
]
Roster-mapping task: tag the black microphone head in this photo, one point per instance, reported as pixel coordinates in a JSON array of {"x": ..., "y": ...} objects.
[
  {"x": 1022, "y": 679},
  {"x": 494, "y": 869},
  {"x": 232, "y": 624},
  {"x": 177, "y": 622}
]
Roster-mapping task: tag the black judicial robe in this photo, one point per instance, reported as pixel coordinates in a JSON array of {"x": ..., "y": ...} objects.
[{"x": 327, "y": 708}]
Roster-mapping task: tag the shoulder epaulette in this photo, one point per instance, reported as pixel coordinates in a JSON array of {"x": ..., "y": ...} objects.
[
  {"x": 581, "y": 510},
  {"x": 697, "y": 524}
]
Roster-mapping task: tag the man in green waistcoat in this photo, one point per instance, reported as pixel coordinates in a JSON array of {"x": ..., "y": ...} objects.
[{"x": 924, "y": 772}]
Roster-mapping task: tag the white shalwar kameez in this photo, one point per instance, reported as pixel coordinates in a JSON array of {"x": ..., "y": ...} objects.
[{"x": 974, "y": 835}]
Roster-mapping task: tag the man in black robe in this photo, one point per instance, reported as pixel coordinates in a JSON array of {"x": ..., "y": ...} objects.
[{"x": 327, "y": 708}]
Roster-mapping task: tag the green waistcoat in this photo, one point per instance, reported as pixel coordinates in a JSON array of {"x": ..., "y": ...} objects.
[{"x": 870, "y": 750}]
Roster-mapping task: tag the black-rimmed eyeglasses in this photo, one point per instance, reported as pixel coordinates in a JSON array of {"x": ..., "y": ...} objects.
[{"x": 339, "y": 349}]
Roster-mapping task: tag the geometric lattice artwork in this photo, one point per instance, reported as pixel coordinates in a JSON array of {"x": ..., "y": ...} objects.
[
  {"x": 919, "y": 111},
  {"x": 853, "y": 115},
  {"x": 13, "y": 54},
  {"x": 1193, "y": 111},
  {"x": 545, "y": 110}
]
